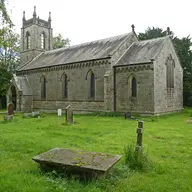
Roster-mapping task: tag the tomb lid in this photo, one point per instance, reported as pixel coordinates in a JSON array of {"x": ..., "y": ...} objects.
[{"x": 89, "y": 161}]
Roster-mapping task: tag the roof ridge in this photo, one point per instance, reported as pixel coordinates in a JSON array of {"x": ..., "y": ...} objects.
[{"x": 157, "y": 38}]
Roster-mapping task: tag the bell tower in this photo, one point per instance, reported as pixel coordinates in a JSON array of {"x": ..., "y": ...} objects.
[{"x": 36, "y": 37}]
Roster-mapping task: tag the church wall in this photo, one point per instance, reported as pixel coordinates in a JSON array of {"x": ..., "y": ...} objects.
[
  {"x": 144, "y": 102},
  {"x": 167, "y": 100},
  {"x": 78, "y": 88}
]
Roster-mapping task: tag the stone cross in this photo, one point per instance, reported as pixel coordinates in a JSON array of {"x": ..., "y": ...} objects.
[
  {"x": 139, "y": 131},
  {"x": 69, "y": 114},
  {"x": 10, "y": 109}
]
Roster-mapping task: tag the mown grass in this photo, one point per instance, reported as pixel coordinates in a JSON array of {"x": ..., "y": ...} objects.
[{"x": 167, "y": 142}]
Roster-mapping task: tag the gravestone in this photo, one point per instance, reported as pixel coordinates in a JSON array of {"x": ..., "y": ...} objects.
[
  {"x": 35, "y": 114},
  {"x": 10, "y": 112},
  {"x": 139, "y": 131},
  {"x": 59, "y": 112},
  {"x": 84, "y": 163},
  {"x": 69, "y": 114},
  {"x": 10, "y": 109}
]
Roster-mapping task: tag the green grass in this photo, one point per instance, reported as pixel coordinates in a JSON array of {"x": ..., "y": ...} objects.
[{"x": 167, "y": 142}]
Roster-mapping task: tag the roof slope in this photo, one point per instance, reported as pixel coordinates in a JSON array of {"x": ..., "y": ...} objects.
[
  {"x": 142, "y": 51},
  {"x": 83, "y": 52}
]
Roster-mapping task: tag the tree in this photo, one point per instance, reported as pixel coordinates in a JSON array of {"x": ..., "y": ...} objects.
[
  {"x": 183, "y": 49},
  {"x": 4, "y": 16},
  {"x": 59, "y": 41}
]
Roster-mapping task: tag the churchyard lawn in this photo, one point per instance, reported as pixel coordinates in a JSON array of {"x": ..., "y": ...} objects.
[{"x": 167, "y": 141}]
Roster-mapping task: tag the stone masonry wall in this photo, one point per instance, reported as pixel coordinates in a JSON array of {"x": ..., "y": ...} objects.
[
  {"x": 78, "y": 88},
  {"x": 167, "y": 100},
  {"x": 35, "y": 43},
  {"x": 144, "y": 102}
]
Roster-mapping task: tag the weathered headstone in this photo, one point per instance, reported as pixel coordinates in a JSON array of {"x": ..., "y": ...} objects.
[
  {"x": 35, "y": 114},
  {"x": 10, "y": 109},
  {"x": 59, "y": 112},
  {"x": 69, "y": 114},
  {"x": 139, "y": 131},
  {"x": 10, "y": 112},
  {"x": 77, "y": 161}
]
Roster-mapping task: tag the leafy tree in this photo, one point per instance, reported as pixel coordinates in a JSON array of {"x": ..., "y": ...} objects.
[
  {"x": 59, "y": 41},
  {"x": 183, "y": 49},
  {"x": 4, "y": 16}
]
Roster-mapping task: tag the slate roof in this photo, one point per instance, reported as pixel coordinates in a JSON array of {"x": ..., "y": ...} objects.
[
  {"x": 142, "y": 51},
  {"x": 77, "y": 53}
]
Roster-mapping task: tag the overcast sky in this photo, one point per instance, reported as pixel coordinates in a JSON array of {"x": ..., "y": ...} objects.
[{"x": 87, "y": 20}]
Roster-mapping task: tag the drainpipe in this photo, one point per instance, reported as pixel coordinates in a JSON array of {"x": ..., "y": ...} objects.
[{"x": 114, "y": 86}]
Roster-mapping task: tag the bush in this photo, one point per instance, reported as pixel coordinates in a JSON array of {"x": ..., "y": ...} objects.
[
  {"x": 136, "y": 160},
  {"x": 189, "y": 101}
]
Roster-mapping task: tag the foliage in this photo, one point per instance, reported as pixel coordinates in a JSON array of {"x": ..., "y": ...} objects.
[
  {"x": 9, "y": 57},
  {"x": 4, "y": 16},
  {"x": 153, "y": 32},
  {"x": 136, "y": 160},
  {"x": 183, "y": 49},
  {"x": 59, "y": 41}
]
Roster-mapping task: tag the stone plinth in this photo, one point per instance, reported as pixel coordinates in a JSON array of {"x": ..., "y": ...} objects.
[{"x": 90, "y": 163}]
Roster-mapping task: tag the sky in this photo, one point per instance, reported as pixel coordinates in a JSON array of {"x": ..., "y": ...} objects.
[{"x": 87, "y": 20}]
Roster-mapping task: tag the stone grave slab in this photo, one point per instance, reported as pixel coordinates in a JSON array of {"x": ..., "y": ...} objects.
[
  {"x": 82, "y": 162},
  {"x": 8, "y": 117}
]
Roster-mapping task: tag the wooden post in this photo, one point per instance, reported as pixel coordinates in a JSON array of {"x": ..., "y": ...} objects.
[{"x": 139, "y": 131}]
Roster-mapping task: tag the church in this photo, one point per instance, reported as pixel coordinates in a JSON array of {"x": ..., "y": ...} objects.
[{"x": 115, "y": 74}]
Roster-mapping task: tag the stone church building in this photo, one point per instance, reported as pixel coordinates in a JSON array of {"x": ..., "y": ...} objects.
[{"x": 118, "y": 73}]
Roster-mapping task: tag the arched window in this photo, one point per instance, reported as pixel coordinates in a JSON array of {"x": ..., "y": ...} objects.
[
  {"x": 170, "y": 72},
  {"x": 134, "y": 87},
  {"x": 43, "y": 40},
  {"x": 43, "y": 87},
  {"x": 64, "y": 81},
  {"x": 28, "y": 40},
  {"x": 92, "y": 85}
]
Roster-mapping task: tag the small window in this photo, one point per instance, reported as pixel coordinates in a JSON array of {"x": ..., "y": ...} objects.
[
  {"x": 64, "y": 86},
  {"x": 134, "y": 87},
  {"x": 92, "y": 85},
  {"x": 42, "y": 41},
  {"x": 43, "y": 87},
  {"x": 28, "y": 38}
]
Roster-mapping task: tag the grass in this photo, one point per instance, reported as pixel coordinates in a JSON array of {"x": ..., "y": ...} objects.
[{"x": 167, "y": 141}]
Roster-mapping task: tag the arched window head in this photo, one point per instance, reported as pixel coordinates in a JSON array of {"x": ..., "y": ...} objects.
[
  {"x": 43, "y": 40},
  {"x": 134, "y": 87},
  {"x": 64, "y": 82},
  {"x": 92, "y": 85},
  {"x": 28, "y": 40},
  {"x": 43, "y": 87}
]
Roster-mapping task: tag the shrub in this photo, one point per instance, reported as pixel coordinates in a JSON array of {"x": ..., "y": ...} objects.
[
  {"x": 136, "y": 160},
  {"x": 189, "y": 101}
]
